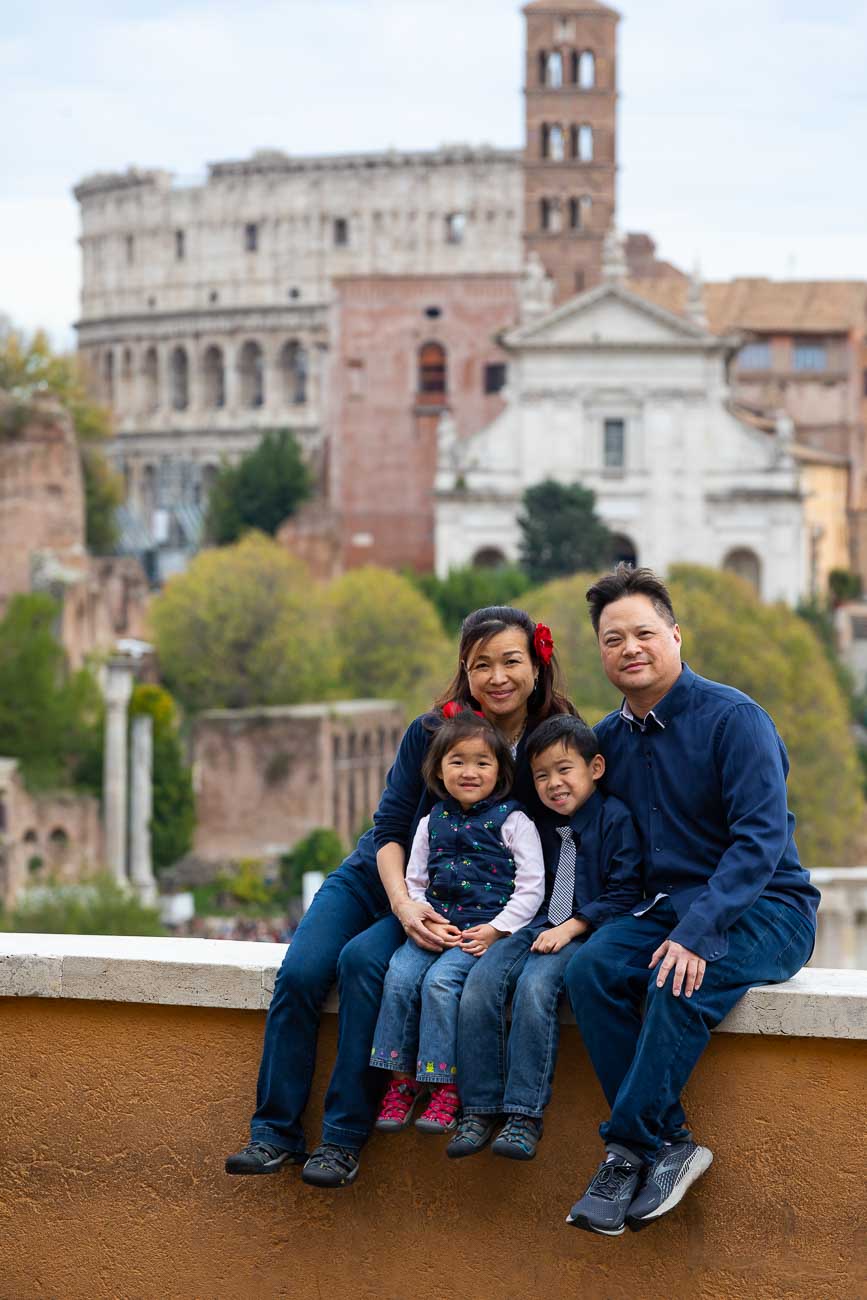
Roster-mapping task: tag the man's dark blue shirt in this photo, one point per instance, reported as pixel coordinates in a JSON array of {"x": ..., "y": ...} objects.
[{"x": 706, "y": 783}]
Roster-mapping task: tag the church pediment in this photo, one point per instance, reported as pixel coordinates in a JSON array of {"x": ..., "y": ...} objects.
[{"x": 609, "y": 315}]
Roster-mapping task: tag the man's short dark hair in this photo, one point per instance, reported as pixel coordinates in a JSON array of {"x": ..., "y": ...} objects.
[
  {"x": 627, "y": 581},
  {"x": 572, "y": 732}
]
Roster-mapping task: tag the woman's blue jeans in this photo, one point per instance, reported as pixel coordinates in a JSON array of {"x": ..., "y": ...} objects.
[
  {"x": 417, "y": 1029},
  {"x": 347, "y": 936},
  {"x": 643, "y": 1041}
]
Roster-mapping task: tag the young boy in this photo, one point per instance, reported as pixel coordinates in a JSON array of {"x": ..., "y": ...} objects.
[{"x": 592, "y": 849}]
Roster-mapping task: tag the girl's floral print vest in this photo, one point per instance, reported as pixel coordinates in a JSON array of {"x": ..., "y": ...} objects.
[{"x": 471, "y": 872}]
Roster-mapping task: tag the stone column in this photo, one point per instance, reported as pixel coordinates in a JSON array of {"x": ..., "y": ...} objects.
[
  {"x": 118, "y": 688},
  {"x": 141, "y": 810}
]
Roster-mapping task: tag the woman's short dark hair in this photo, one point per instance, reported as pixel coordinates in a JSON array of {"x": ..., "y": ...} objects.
[
  {"x": 627, "y": 581},
  {"x": 451, "y": 732},
  {"x": 477, "y": 629},
  {"x": 572, "y": 732}
]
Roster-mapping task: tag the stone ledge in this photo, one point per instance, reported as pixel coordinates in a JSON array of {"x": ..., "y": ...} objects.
[{"x": 222, "y": 973}]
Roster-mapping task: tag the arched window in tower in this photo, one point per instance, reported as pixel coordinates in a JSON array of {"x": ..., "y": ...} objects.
[
  {"x": 543, "y": 66},
  {"x": 587, "y": 70},
  {"x": 580, "y": 212},
  {"x": 432, "y": 371},
  {"x": 151, "y": 377},
  {"x": 554, "y": 70},
  {"x": 550, "y": 215},
  {"x": 556, "y": 144},
  {"x": 108, "y": 374},
  {"x": 214, "y": 376},
  {"x": 293, "y": 372},
  {"x": 545, "y": 139},
  {"x": 179, "y": 367},
  {"x": 585, "y": 143},
  {"x": 251, "y": 367}
]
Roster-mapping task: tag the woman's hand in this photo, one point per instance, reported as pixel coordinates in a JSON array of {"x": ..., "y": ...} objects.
[
  {"x": 442, "y": 929},
  {"x": 415, "y": 919},
  {"x": 558, "y": 936},
  {"x": 478, "y": 939}
]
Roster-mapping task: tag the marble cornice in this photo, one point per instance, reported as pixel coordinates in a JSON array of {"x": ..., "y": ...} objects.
[{"x": 223, "y": 320}]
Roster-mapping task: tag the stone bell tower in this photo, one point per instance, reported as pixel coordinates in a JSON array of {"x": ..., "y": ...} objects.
[{"x": 570, "y": 154}]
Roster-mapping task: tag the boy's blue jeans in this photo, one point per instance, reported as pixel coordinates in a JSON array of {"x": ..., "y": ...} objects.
[
  {"x": 643, "y": 1041},
  {"x": 534, "y": 1036},
  {"x": 416, "y": 1032}
]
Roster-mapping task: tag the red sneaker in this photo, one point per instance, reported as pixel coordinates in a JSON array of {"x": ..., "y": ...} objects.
[
  {"x": 397, "y": 1105},
  {"x": 442, "y": 1111}
]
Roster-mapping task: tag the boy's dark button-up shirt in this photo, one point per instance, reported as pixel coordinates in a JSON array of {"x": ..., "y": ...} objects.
[
  {"x": 706, "y": 782},
  {"x": 608, "y": 857}
]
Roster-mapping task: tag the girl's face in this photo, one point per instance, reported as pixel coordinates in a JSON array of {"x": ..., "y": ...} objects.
[
  {"x": 469, "y": 771},
  {"x": 502, "y": 675}
]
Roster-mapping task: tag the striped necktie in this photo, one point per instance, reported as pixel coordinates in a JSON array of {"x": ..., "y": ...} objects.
[{"x": 562, "y": 902}]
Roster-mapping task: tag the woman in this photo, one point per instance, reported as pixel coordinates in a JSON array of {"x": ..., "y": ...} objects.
[{"x": 363, "y": 912}]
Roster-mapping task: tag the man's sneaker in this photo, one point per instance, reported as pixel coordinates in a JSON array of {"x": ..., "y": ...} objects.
[
  {"x": 518, "y": 1138},
  {"x": 331, "y": 1166},
  {"x": 397, "y": 1105},
  {"x": 441, "y": 1112},
  {"x": 262, "y": 1158},
  {"x": 672, "y": 1173},
  {"x": 473, "y": 1133},
  {"x": 603, "y": 1206}
]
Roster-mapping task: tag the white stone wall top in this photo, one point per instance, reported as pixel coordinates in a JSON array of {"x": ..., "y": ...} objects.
[
  {"x": 220, "y": 973},
  {"x": 331, "y": 709}
]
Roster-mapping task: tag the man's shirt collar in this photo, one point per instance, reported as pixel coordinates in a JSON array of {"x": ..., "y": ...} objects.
[{"x": 668, "y": 706}]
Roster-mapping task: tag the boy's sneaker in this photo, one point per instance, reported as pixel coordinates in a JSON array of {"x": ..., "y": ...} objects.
[
  {"x": 262, "y": 1158},
  {"x": 672, "y": 1173},
  {"x": 603, "y": 1206},
  {"x": 331, "y": 1166},
  {"x": 518, "y": 1138},
  {"x": 441, "y": 1112},
  {"x": 473, "y": 1134},
  {"x": 397, "y": 1105}
]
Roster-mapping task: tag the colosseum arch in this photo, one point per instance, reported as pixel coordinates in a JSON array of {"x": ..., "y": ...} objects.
[
  {"x": 251, "y": 371},
  {"x": 179, "y": 372},
  {"x": 214, "y": 377},
  {"x": 292, "y": 364},
  {"x": 151, "y": 378}
]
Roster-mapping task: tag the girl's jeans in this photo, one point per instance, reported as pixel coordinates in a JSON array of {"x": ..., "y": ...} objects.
[{"x": 417, "y": 1029}]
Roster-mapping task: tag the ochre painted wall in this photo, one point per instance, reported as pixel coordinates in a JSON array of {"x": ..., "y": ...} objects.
[{"x": 116, "y": 1119}]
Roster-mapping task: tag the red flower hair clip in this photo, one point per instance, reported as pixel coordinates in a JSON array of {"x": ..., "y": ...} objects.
[
  {"x": 454, "y": 709},
  {"x": 543, "y": 643}
]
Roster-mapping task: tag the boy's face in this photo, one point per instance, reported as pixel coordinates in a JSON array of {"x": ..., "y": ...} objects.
[{"x": 564, "y": 780}]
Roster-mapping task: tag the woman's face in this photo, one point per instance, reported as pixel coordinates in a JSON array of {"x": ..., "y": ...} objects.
[{"x": 502, "y": 675}]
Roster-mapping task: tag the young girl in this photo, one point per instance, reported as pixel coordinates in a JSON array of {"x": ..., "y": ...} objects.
[{"x": 477, "y": 859}]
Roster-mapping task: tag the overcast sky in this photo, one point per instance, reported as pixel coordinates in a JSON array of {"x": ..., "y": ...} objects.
[{"x": 742, "y": 125}]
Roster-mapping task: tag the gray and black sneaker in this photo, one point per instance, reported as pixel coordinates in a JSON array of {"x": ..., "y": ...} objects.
[
  {"x": 666, "y": 1182},
  {"x": 262, "y": 1158},
  {"x": 472, "y": 1134},
  {"x": 518, "y": 1138},
  {"x": 331, "y": 1166},
  {"x": 603, "y": 1206}
]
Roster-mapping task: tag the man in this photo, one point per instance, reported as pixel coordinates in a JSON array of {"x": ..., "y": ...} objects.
[{"x": 727, "y": 906}]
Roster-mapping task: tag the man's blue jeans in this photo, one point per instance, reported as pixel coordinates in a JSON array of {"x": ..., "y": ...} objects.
[
  {"x": 643, "y": 1041},
  {"x": 325, "y": 949},
  {"x": 417, "y": 1029}
]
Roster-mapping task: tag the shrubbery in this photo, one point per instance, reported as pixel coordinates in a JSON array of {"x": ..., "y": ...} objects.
[{"x": 97, "y": 906}]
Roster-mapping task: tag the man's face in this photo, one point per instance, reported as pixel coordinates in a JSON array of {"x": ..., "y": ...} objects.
[{"x": 640, "y": 650}]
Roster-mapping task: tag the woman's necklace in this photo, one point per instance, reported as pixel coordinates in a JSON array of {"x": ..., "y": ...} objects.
[{"x": 513, "y": 739}]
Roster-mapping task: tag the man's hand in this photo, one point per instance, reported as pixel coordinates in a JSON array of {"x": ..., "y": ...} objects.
[
  {"x": 688, "y": 967},
  {"x": 559, "y": 935},
  {"x": 416, "y": 918},
  {"x": 478, "y": 939}
]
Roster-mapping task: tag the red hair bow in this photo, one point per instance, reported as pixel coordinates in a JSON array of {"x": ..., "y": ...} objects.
[
  {"x": 543, "y": 643},
  {"x": 454, "y": 710}
]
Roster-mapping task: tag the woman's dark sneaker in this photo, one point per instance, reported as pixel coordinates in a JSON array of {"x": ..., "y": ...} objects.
[
  {"x": 473, "y": 1134},
  {"x": 442, "y": 1111},
  {"x": 262, "y": 1158},
  {"x": 331, "y": 1166},
  {"x": 397, "y": 1106},
  {"x": 518, "y": 1138},
  {"x": 673, "y": 1172},
  {"x": 603, "y": 1206}
]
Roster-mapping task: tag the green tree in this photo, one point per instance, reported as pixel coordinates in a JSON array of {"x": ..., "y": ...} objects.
[
  {"x": 767, "y": 651},
  {"x": 561, "y": 532},
  {"x": 49, "y": 718},
  {"x": 244, "y": 626},
  {"x": 98, "y": 906},
  {"x": 174, "y": 805},
  {"x": 391, "y": 643},
  {"x": 29, "y": 370},
  {"x": 321, "y": 850},
  {"x": 470, "y": 588},
  {"x": 264, "y": 488}
]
